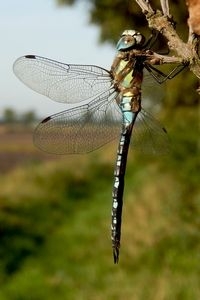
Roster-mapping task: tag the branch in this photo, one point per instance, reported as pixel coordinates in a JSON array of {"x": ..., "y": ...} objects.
[{"x": 161, "y": 21}]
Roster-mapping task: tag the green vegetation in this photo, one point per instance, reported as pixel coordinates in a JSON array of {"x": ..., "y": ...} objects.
[{"x": 55, "y": 220}]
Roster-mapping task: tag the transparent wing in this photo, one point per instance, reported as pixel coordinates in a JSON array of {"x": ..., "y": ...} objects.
[
  {"x": 149, "y": 136},
  {"x": 62, "y": 82},
  {"x": 88, "y": 127},
  {"x": 80, "y": 129}
]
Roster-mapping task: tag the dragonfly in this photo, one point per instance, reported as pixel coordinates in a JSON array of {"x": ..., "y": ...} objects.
[{"x": 102, "y": 105}]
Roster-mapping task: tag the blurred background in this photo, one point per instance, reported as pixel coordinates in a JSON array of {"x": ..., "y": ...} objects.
[{"x": 55, "y": 210}]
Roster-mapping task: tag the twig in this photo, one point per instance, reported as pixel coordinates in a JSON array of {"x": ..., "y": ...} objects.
[
  {"x": 165, "y": 7},
  {"x": 145, "y": 6}
]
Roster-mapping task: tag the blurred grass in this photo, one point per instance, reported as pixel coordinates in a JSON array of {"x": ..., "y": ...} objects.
[{"x": 55, "y": 225}]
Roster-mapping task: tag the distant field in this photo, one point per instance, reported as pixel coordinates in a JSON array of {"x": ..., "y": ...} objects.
[{"x": 17, "y": 148}]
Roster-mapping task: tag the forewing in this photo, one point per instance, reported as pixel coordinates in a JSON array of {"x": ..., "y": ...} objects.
[
  {"x": 61, "y": 82},
  {"x": 149, "y": 136},
  {"x": 81, "y": 129}
]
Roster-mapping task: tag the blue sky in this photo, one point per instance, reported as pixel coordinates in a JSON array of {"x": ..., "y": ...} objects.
[{"x": 43, "y": 28}]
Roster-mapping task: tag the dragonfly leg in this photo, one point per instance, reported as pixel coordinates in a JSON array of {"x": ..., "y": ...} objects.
[{"x": 161, "y": 77}]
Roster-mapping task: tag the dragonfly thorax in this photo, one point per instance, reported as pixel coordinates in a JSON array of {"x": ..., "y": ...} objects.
[{"x": 130, "y": 39}]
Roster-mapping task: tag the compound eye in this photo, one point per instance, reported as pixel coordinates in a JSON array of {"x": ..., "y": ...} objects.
[
  {"x": 130, "y": 39},
  {"x": 126, "y": 42}
]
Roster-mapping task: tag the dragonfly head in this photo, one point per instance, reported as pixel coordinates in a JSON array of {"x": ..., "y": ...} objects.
[{"x": 130, "y": 39}]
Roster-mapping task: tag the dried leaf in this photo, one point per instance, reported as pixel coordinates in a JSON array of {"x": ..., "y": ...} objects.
[{"x": 194, "y": 15}]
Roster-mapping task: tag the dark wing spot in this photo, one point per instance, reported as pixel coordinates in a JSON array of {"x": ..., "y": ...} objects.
[
  {"x": 30, "y": 56},
  {"x": 46, "y": 120}
]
